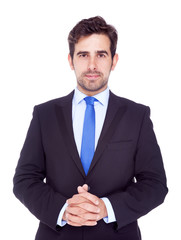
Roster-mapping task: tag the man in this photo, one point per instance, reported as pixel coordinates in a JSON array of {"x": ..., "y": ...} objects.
[{"x": 90, "y": 165}]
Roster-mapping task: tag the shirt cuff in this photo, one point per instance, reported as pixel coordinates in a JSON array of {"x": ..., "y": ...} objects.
[
  {"x": 61, "y": 222},
  {"x": 110, "y": 212}
]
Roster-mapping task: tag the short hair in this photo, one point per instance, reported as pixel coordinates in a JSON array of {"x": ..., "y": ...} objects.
[{"x": 94, "y": 25}]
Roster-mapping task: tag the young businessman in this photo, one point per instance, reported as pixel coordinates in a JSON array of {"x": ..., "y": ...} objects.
[{"x": 97, "y": 151}]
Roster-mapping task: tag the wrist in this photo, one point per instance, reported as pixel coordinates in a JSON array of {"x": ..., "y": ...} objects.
[{"x": 64, "y": 216}]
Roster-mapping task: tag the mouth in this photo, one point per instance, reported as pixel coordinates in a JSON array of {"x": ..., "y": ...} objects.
[{"x": 92, "y": 76}]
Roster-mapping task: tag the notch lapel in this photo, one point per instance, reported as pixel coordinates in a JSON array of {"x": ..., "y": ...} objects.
[
  {"x": 64, "y": 116},
  {"x": 114, "y": 114}
]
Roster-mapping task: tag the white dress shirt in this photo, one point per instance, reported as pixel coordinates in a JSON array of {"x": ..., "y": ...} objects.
[{"x": 78, "y": 112}]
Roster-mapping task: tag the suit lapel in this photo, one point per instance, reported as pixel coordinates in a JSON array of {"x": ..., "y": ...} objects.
[
  {"x": 114, "y": 114},
  {"x": 64, "y": 116}
]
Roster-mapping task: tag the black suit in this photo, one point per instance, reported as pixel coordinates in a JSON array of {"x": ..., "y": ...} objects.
[{"x": 127, "y": 168}]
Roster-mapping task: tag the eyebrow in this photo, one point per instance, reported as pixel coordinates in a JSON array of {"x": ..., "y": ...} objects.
[
  {"x": 99, "y": 52},
  {"x": 82, "y": 52},
  {"x": 103, "y": 51}
]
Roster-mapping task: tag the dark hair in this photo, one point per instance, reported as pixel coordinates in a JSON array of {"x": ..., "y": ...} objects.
[{"x": 94, "y": 25}]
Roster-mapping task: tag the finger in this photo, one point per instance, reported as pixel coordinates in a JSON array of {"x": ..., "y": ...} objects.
[
  {"x": 74, "y": 218},
  {"x": 90, "y": 216},
  {"x": 79, "y": 198},
  {"x": 84, "y": 223},
  {"x": 80, "y": 189},
  {"x": 76, "y": 199},
  {"x": 89, "y": 207},
  {"x": 94, "y": 199},
  {"x": 87, "y": 223},
  {"x": 80, "y": 212},
  {"x": 75, "y": 210},
  {"x": 86, "y": 187},
  {"x": 74, "y": 224},
  {"x": 83, "y": 188}
]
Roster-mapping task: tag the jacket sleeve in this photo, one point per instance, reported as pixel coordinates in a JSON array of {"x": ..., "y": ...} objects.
[
  {"x": 149, "y": 188},
  {"x": 30, "y": 186}
]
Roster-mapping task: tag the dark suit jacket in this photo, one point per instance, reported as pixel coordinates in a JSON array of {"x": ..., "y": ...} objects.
[{"x": 127, "y": 168}]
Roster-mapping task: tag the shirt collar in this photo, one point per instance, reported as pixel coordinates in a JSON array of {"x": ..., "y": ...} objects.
[{"x": 102, "y": 97}]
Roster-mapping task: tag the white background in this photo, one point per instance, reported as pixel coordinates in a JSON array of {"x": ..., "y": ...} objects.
[{"x": 34, "y": 69}]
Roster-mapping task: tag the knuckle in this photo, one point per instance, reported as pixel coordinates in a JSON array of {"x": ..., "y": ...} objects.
[
  {"x": 79, "y": 211},
  {"x": 67, "y": 216},
  {"x": 82, "y": 221},
  {"x": 84, "y": 205},
  {"x": 84, "y": 216},
  {"x": 90, "y": 223}
]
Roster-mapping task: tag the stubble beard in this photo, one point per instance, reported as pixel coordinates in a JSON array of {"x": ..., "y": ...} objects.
[{"x": 92, "y": 85}]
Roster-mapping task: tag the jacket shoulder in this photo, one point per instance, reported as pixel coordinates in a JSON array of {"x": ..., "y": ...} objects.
[
  {"x": 57, "y": 101},
  {"x": 130, "y": 104}
]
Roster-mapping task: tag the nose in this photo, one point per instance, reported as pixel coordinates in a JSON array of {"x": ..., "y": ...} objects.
[{"x": 92, "y": 64}]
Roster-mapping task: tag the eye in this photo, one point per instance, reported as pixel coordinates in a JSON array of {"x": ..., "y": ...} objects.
[
  {"x": 83, "y": 55},
  {"x": 101, "y": 55}
]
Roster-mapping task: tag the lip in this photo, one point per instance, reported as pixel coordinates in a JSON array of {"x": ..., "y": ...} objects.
[{"x": 92, "y": 76}]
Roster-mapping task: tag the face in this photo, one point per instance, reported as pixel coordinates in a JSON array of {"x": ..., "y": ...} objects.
[{"x": 92, "y": 63}]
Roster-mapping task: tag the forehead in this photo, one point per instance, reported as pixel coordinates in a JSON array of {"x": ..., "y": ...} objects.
[{"x": 94, "y": 42}]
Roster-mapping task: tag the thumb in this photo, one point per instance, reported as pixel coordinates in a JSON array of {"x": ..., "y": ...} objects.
[{"x": 83, "y": 188}]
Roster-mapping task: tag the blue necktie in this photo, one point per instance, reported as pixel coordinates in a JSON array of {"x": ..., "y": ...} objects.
[{"x": 88, "y": 136}]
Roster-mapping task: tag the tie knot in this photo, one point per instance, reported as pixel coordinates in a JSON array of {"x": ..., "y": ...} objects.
[{"x": 90, "y": 100}]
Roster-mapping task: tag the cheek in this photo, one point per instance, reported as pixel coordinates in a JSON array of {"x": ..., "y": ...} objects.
[
  {"x": 105, "y": 65},
  {"x": 80, "y": 67},
  {"x": 77, "y": 68},
  {"x": 105, "y": 69}
]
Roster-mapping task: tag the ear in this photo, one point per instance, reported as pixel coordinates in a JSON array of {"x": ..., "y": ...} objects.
[
  {"x": 115, "y": 60},
  {"x": 70, "y": 62}
]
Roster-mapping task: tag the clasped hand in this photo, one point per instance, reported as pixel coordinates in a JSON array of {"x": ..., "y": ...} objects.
[{"x": 84, "y": 208}]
